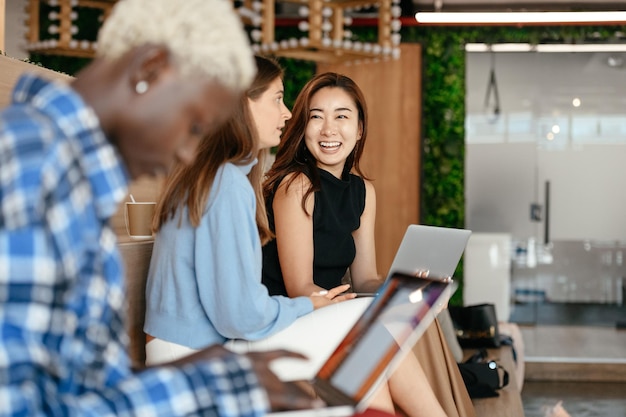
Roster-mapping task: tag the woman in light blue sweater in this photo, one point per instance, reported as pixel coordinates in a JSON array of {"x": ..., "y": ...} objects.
[{"x": 204, "y": 283}]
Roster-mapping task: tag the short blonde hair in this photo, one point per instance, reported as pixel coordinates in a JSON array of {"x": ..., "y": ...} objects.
[{"x": 204, "y": 36}]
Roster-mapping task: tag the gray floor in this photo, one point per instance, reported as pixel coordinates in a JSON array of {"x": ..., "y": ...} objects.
[
  {"x": 579, "y": 399},
  {"x": 574, "y": 344},
  {"x": 576, "y": 332}
]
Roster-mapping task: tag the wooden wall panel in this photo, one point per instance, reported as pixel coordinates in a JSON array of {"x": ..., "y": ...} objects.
[
  {"x": 393, "y": 150},
  {"x": 10, "y": 71}
]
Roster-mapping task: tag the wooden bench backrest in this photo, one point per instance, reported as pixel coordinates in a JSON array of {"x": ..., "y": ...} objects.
[{"x": 136, "y": 257}]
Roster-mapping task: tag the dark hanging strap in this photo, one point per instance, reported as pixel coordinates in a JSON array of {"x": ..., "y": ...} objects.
[
  {"x": 492, "y": 86},
  {"x": 505, "y": 377}
]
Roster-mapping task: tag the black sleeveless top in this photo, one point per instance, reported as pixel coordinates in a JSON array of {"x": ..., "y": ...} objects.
[{"x": 337, "y": 213}]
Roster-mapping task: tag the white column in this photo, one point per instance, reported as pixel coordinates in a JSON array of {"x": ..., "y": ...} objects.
[{"x": 487, "y": 272}]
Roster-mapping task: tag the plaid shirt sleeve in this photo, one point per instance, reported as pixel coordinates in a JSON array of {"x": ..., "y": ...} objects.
[
  {"x": 224, "y": 387},
  {"x": 63, "y": 340},
  {"x": 51, "y": 365}
]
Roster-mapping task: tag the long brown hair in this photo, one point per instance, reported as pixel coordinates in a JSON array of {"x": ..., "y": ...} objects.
[
  {"x": 236, "y": 142},
  {"x": 293, "y": 156}
]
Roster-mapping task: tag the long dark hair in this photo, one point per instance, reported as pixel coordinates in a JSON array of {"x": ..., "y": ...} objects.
[
  {"x": 293, "y": 156},
  {"x": 237, "y": 142}
]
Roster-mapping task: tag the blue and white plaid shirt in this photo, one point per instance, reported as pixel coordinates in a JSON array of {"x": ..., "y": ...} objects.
[{"x": 63, "y": 340}]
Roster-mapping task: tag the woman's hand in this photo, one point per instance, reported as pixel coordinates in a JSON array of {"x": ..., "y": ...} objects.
[
  {"x": 282, "y": 395},
  {"x": 324, "y": 298}
]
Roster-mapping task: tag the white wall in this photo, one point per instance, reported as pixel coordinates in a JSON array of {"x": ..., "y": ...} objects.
[
  {"x": 15, "y": 30},
  {"x": 487, "y": 272},
  {"x": 499, "y": 187},
  {"x": 588, "y": 193}
]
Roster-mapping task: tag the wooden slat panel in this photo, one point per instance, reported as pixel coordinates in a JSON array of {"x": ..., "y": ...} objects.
[
  {"x": 11, "y": 69},
  {"x": 392, "y": 89}
]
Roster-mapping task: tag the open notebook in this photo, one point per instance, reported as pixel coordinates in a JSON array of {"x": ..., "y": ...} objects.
[{"x": 404, "y": 307}]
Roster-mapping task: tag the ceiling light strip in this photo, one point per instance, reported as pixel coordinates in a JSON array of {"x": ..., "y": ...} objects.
[
  {"x": 450, "y": 18},
  {"x": 526, "y": 47}
]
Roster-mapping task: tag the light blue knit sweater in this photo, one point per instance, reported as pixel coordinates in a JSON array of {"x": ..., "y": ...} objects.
[{"x": 204, "y": 284}]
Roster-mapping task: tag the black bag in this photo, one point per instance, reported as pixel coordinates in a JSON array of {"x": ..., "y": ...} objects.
[
  {"x": 483, "y": 377},
  {"x": 482, "y": 380},
  {"x": 476, "y": 326}
]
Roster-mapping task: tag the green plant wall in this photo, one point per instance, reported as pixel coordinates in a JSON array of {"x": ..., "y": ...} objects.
[{"x": 297, "y": 73}]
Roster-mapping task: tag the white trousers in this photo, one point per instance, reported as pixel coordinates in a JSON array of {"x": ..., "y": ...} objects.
[
  {"x": 315, "y": 335},
  {"x": 160, "y": 351}
]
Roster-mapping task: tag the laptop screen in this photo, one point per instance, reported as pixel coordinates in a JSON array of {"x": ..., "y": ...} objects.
[
  {"x": 404, "y": 307},
  {"x": 430, "y": 248}
]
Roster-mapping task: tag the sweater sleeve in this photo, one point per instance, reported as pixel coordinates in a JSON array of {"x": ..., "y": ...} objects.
[{"x": 228, "y": 271}]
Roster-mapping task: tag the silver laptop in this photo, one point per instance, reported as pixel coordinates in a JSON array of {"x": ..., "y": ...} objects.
[
  {"x": 390, "y": 326},
  {"x": 432, "y": 249}
]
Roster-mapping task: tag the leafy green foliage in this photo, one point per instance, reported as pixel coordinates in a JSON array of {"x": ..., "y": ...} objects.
[
  {"x": 297, "y": 73},
  {"x": 66, "y": 64}
]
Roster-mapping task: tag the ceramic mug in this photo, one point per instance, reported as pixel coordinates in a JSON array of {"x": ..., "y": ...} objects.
[{"x": 138, "y": 218}]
